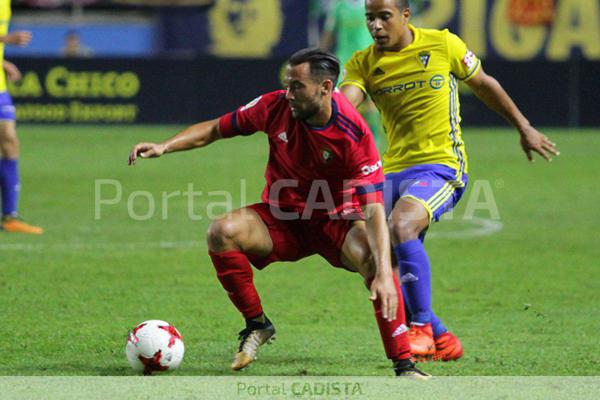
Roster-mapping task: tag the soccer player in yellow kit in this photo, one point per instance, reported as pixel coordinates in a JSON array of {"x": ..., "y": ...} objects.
[
  {"x": 412, "y": 76},
  {"x": 9, "y": 143}
]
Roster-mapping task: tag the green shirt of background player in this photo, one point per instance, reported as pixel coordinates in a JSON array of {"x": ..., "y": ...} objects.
[
  {"x": 345, "y": 28},
  {"x": 345, "y": 31}
]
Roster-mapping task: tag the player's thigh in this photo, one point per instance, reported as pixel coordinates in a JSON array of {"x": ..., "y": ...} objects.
[
  {"x": 355, "y": 253},
  {"x": 244, "y": 228},
  {"x": 408, "y": 219},
  {"x": 9, "y": 143}
]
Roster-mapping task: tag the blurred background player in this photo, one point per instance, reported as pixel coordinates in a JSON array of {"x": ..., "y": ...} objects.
[
  {"x": 345, "y": 31},
  {"x": 315, "y": 135},
  {"x": 412, "y": 76},
  {"x": 73, "y": 46},
  {"x": 9, "y": 143}
]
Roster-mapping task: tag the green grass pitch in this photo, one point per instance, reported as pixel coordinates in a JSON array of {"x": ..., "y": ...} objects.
[{"x": 524, "y": 299}]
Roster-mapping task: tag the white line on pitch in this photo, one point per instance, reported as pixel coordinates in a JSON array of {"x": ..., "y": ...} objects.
[
  {"x": 163, "y": 244},
  {"x": 483, "y": 227}
]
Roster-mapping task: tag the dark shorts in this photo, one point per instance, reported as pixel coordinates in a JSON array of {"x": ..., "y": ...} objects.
[
  {"x": 299, "y": 238},
  {"x": 7, "y": 109},
  {"x": 437, "y": 187}
]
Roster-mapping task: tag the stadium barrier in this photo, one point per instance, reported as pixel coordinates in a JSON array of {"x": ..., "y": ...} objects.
[
  {"x": 181, "y": 91},
  {"x": 121, "y": 90}
]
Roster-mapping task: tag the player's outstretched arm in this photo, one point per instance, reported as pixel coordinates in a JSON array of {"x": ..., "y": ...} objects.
[
  {"x": 17, "y": 38},
  {"x": 382, "y": 287},
  {"x": 198, "y": 135},
  {"x": 489, "y": 90}
]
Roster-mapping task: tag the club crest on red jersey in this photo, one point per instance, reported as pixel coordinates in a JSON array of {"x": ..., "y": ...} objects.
[
  {"x": 327, "y": 155},
  {"x": 283, "y": 137}
]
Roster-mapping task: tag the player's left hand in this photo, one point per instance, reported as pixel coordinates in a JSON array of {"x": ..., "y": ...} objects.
[
  {"x": 146, "y": 150},
  {"x": 383, "y": 288},
  {"x": 18, "y": 38},
  {"x": 534, "y": 140}
]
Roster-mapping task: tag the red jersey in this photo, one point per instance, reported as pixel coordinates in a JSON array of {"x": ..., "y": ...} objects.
[{"x": 313, "y": 171}]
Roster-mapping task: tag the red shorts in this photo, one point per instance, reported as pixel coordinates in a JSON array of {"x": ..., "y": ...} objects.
[{"x": 300, "y": 238}]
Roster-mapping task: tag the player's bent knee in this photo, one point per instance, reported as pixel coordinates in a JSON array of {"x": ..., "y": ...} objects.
[
  {"x": 222, "y": 234},
  {"x": 403, "y": 230},
  {"x": 356, "y": 253}
]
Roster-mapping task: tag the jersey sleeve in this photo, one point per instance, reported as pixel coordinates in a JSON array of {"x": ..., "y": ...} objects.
[
  {"x": 246, "y": 120},
  {"x": 353, "y": 73},
  {"x": 367, "y": 171},
  {"x": 464, "y": 64}
]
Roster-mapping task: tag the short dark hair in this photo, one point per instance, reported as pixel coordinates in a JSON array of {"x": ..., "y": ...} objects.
[
  {"x": 402, "y": 4},
  {"x": 323, "y": 64}
]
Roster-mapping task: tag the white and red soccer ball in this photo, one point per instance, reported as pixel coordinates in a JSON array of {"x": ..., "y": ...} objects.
[{"x": 154, "y": 346}]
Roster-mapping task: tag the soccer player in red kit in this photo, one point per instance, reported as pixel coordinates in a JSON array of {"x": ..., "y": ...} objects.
[{"x": 323, "y": 195}]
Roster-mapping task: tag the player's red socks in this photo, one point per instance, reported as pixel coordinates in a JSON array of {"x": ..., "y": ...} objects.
[
  {"x": 235, "y": 274},
  {"x": 395, "y": 333}
]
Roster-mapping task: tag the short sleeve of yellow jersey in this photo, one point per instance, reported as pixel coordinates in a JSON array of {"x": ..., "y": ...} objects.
[
  {"x": 463, "y": 63},
  {"x": 353, "y": 72}
]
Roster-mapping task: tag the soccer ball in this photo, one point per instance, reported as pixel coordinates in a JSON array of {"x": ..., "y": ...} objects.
[{"x": 154, "y": 345}]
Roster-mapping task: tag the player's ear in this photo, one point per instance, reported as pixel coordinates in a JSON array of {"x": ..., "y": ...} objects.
[
  {"x": 327, "y": 87},
  {"x": 406, "y": 13}
]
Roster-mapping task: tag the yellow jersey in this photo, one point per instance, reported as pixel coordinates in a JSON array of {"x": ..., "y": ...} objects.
[
  {"x": 416, "y": 92},
  {"x": 4, "y": 21}
]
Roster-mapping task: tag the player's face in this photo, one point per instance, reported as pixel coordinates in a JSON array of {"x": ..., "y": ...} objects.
[
  {"x": 302, "y": 92},
  {"x": 386, "y": 23}
]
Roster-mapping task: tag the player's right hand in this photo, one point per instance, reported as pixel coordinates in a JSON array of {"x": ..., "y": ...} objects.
[
  {"x": 18, "y": 38},
  {"x": 534, "y": 140},
  {"x": 12, "y": 72},
  {"x": 145, "y": 150},
  {"x": 383, "y": 288}
]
